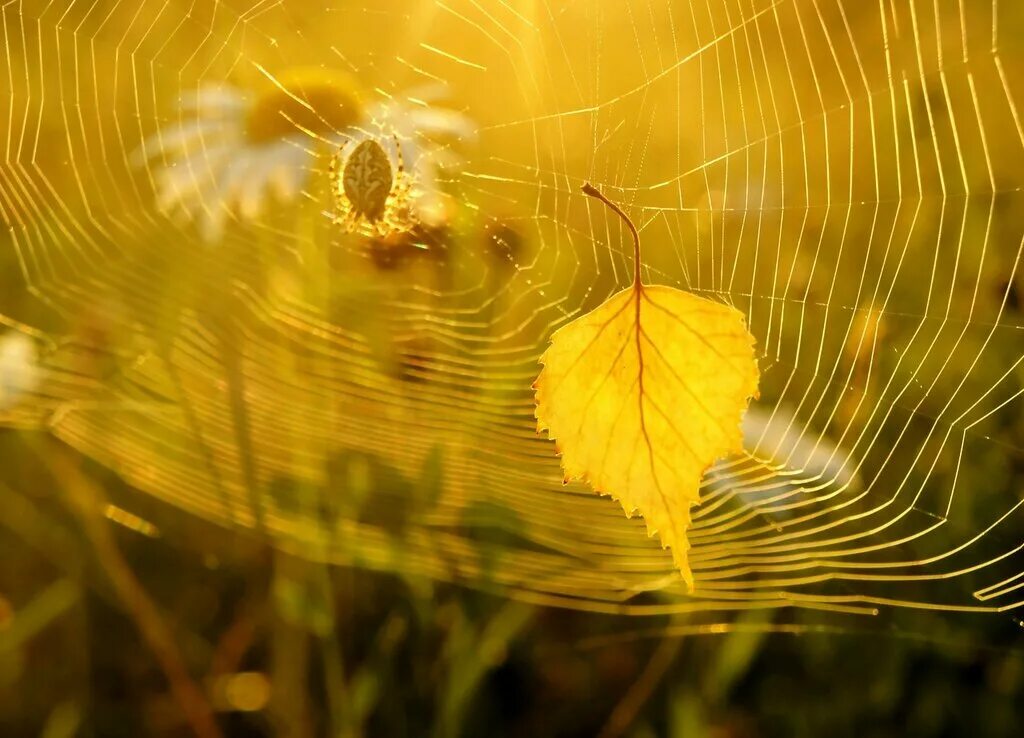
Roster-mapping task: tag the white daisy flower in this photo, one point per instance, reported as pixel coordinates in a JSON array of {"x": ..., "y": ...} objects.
[
  {"x": 232, "y": 150},
  {"x": 19, "y": 367}
]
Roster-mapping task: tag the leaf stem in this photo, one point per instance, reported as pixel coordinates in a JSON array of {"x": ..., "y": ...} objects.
[{"x": 589, "y": 189}]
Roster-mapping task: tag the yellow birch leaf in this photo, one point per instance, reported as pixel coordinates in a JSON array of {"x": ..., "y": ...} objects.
[{"x": 644, "y": 393}]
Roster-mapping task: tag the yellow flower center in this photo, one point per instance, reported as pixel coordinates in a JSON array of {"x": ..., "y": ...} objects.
[{"x": 317, "y": 100}]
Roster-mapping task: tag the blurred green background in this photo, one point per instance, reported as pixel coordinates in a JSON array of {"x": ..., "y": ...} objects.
[{"x": 279, "y": 646}]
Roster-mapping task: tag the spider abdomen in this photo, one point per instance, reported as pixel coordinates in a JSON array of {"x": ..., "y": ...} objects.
[{"x": 367, "y": 179}]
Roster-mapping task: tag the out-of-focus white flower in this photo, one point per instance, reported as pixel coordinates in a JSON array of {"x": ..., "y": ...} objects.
[
  {"x": 810, "y": 462},
  {"x": 19, "y": 367},
  {"x": 232, "y": 149},
  {"x": 775, "y": 435},
  {"x": 803, "y": 463}
]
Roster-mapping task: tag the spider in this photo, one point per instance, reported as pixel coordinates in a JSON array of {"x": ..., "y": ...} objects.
[{"x": 369, "y": 196}]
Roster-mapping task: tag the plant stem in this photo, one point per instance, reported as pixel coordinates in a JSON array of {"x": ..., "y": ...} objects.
[
  {"x": 85, "y": 498},
  {"x": 589, "y": 189}
]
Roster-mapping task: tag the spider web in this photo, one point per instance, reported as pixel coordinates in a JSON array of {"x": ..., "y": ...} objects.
[{"x": 847, "y": 175}]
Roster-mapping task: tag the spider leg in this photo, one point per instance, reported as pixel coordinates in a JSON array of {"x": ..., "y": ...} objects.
[
  {"x": 334, "y": 168},
  {"x": 352, "y": 220},
  {"x": 398, "y": 156}
]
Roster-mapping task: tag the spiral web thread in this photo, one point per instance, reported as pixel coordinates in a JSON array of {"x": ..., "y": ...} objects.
[{"x": 848, "y": 175}]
